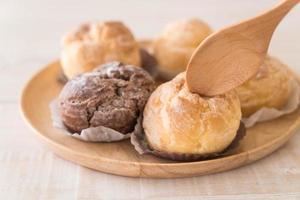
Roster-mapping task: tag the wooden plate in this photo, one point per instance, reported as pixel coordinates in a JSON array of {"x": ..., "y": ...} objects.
[{"x": 120, "y": 158}]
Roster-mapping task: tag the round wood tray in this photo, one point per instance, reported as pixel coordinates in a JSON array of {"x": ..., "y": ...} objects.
[{"x": 120, "y": 157}]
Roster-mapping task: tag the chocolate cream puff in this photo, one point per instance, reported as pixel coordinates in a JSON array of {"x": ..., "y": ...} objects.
[
  {"x": 269, "y": 88},
  {"x": 181, "y": 125},
  {"x": 112, "y": 96},
  {"x": 174, "y": 47},
  {"x": 93, "y": 44}
]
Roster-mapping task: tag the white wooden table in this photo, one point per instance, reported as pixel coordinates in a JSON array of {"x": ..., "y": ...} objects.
[{"x": 30, "y": 32}]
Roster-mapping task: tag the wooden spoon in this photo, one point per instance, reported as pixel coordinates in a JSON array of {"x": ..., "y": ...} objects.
[{"x": 231, "y": 56}]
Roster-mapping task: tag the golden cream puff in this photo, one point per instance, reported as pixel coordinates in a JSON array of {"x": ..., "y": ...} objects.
[
  {"x": 269, "y": 88},
  {"x": 174, "y": 47},
  {"x": 178, "y": 122},
  {"x": 93, "y": 44}
]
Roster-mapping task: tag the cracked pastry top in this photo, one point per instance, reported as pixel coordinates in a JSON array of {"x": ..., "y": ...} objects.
[
  {"x": 93, "y": 44},
  {"x": 114, "y": 96}
]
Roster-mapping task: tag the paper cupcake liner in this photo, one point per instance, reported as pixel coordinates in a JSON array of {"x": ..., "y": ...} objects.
[
  {"x": 92, "y": 134},
  {"x": 139, "y": 141},
  {"x": 265, "y": 114}
]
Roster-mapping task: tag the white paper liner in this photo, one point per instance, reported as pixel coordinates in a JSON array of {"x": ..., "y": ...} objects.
[
  {"x": 265, "y": 114},
  {"x": 92, "y": 134}
]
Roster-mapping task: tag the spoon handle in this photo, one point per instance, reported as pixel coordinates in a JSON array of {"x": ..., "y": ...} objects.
[
  {"x": 261, "y": 28},
  {"x": 275, "y": 15}
]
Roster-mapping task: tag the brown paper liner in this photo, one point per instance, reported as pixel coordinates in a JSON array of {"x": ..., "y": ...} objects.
[
  {"x": 149, "y": 63},
  {"x": 61, "y": 78},
  {"x": 139, "y": 141},
  {"x": 92, "y": 134}
]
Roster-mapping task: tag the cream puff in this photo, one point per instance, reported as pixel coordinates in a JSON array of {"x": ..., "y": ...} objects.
[
  {"x": 269, "y": 88},
  {"x": 93, "y": 44},
  {"x": 112, "y": 96},
  {"x": 178, "y": 122},
  {"x": 174, "y": 47}
]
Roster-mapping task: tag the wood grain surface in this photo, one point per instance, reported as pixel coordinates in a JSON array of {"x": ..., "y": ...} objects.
[{"x": 30, "y": 34}]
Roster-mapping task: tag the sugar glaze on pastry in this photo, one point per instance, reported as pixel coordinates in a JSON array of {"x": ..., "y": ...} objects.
[
  {"x": 92, "y": 44},
  {"x": 178, "y": 121}
]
